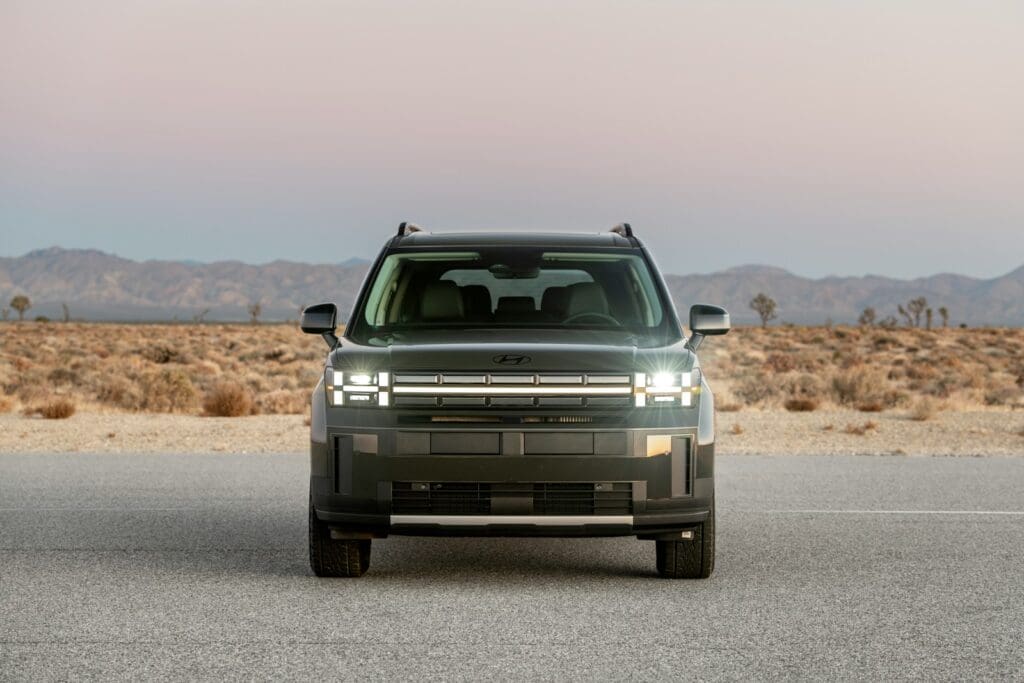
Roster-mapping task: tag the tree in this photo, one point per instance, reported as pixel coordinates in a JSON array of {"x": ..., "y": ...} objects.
[
  {"x": 765, "y": 307},
  {"x": 21, "y": 303},
  {"x": 917, "y": 307},
  {"x": 6, "y": 313},
  {"x": 944, "y": 314},
  {"x": 867, "y": 318},
  {"x": 928, "y": 319},
  {"x": 255, "y": 310},
  {"x": 200, "y": 317},
  {"x": 906, "y": 316},
  {"x": 66, "y": 312}
]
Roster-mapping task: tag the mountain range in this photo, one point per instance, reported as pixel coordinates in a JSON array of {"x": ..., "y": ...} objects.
[{"x": 99, "y": 286}]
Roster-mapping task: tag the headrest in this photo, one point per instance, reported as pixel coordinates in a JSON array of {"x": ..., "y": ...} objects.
[
  {"x": 586, "y": 297},
  {"x": 441, "y": 301},
  {"x": 555, "y": 301},
  {"x": 516, "y": 304},
  {"x": 476, "y": 299}
]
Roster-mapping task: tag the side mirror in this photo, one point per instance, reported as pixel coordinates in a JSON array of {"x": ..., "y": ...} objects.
[
  {"x": 321, "y": 319},
  {"x": 706, "y": 320}
]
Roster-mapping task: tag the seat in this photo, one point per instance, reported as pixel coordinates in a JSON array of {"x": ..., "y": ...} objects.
[
  {"x": 586, "y": 297},
  {"x": 515, "y": 309},
  {"x": 476, "y": 300},
  {"x": 442, "y": 300},
  {"x": 555, "y": 302}
]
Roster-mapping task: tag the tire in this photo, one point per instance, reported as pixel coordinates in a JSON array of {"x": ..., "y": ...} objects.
[
  {"x": 329, "y": 557},
  {"x": 689, "y": 559}
]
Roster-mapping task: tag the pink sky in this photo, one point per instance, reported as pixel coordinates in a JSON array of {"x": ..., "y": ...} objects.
[{"x": 844, "y": 137}]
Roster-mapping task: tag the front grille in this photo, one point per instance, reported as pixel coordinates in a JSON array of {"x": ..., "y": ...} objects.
[
  {"x": 507, "y": 390},
  {"x": 462, "y": 498}
]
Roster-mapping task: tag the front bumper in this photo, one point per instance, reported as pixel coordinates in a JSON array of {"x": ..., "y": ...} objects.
[{"x": 355, "y": 477}]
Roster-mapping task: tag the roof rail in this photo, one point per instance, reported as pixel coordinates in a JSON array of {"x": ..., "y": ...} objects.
[
  {"x": 408, "y": 229},
  {"x": 623, "y": 229}
]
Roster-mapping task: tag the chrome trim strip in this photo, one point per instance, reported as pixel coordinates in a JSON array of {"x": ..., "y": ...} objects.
[
  {"x": 560, "y": 379},
  {"x": 463, "y": 379},
  {"x": 607, "y": 379},
  {"x": 493, "y": 390},
  {"x": 501, "y": 520},
  {"x": 417, "y": 379}
]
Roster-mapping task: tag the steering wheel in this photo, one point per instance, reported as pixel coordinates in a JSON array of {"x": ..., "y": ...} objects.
[{"x": 596, "y": 316}]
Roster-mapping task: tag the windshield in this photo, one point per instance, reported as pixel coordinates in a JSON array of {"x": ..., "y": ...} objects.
[{"x": 418, "y": 293}]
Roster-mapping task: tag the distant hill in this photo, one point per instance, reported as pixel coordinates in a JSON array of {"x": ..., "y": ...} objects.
[
  {"x": 101, "y": 286},
  {"x": 998, "y": 301}
]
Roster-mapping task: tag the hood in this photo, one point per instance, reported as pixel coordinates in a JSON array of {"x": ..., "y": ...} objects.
[{"x": 513, "y": 357}]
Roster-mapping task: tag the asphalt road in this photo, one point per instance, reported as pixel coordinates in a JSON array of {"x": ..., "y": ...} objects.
[{"x": 195, "y": 567}]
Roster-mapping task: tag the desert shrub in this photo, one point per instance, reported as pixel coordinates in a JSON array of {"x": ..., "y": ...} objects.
[
  {"x": 871, "y": 407},
  {"x": 802, "y": 385},
  {"x": 780, "y": 362},
  {"x": 801, "y": 405},
  {"x": 161, "y": 354},
  {"x": 859, "y": 385},
  {"x": 861, "y": 429},
  {"x": 279, "y": 355},
  {"x": 6, "y": 404},
  {"x": 206, "y": 368},
  {"x": 1001, "y": 393},
  {"x": 923, "y": 408},
  {"x": 757, "y": 388},
  {"x": 284, "y": 402},
  {"x": 119, "y": 392},
  {"x": 228, "y": 399},
  {"x": 62, "y": 376},
  {"x": 168, "y": 391},
  {"x": 59, "y": 408}
]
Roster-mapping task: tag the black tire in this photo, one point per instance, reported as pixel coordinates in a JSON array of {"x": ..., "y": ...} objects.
[
  {"x": 689, "y": 559},
  {"x": 330, "y": 557}
]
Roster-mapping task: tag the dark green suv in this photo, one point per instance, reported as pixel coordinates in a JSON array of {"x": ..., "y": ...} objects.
[{"x": 501, "y": 384}]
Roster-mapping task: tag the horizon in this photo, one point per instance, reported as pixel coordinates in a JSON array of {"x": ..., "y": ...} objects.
[
  {"x": 818, "y": 137},
  {"x": 360, "y": 260}
]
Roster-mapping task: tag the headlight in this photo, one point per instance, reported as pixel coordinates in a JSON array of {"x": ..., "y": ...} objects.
[
  {"x": 358, "y": 388},
  {"x": 667, "y": 388}
]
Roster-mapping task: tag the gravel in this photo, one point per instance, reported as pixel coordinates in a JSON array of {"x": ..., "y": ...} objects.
[{"x": 997, "y": 432}]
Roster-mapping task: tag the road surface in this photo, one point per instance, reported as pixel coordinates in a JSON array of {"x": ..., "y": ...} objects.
[{"x": 195, "y": 566}]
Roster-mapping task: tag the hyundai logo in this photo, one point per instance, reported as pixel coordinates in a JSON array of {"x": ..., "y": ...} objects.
[{"x": 511, "y": 359}]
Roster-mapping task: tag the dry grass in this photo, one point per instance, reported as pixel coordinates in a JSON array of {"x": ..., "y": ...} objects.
[
  {"x": 59, "y": 408},
  {"x": 175, "y": 368},
  {"x": 923, "y": 409},
  {"x": 6, "y": 404},
  {"x": 801, "y": 405},
  {"x": 861, "y": 429},
  {"x": 157, "y": 368},
  {"x": 736, "y": 429},
  {"x": 228, "y": 399},
  {"x": 868, "y": 369}
]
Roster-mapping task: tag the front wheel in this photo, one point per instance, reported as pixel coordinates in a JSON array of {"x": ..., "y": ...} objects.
[
  {"x": 331, "y": 557},
  {"x": 690, "y": 559}
]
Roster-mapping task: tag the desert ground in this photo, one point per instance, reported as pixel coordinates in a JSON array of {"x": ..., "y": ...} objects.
[{"x": 244, "y": 388}]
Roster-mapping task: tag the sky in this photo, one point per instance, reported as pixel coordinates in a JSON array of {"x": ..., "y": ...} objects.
[{"x": 822, "y": 136}]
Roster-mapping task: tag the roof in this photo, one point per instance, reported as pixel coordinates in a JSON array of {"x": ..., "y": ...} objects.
[{"x": 488, "y": 239}]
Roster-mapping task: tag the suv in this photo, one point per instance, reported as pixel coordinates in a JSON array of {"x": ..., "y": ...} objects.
[{"x": 502, "y": 384}]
